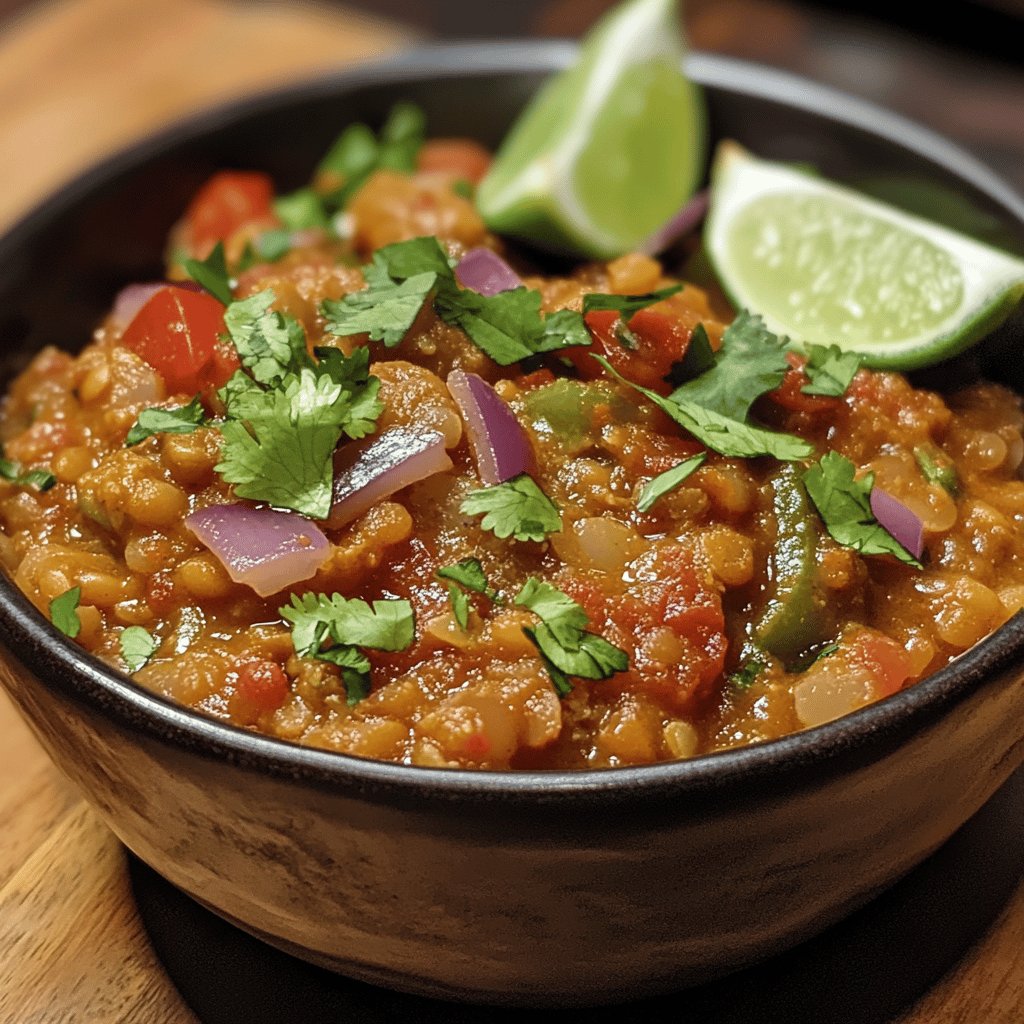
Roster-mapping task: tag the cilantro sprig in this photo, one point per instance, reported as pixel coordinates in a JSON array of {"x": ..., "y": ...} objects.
[
  {"x": 721, "y": 433},
  {"x": 562, "y": 639},
  {"x": 348, "y": 624},
  {"x": 626, "y": 305},
  {"x": 508, "y": 327},
  {"x": 844, "y": 503},
  {"x": 668, "y": 481},
  {"x": 517, "y": 508}
]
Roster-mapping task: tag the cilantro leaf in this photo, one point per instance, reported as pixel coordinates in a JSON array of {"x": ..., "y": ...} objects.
[
  {"x": 301, "y": 209},
  {"x": 720, "y": 433},
  {"x": 668, "y": 481},
  {"x": 185, "y": 419},
  {"x": 352, "y": 373},
  {"x": 270, "y": 344},
  {"x": 402, "y": 260},
  {"x": 286, "y": 458},
  {"x": 350, "y": 623},
  {"x": 937, "y": 468},
  {"x": 401, "y": 137},
  {"x": 751, "y": 361},
  {"x": 469, "y": 573},
  {"x": 844, "y": 504},
  {"x": 562, "y": 639},
  {"x": 517, "y": 508},
  {"x": 699, "y": 356},
  {"x": 383, "y": 311},
  {"x": 268, "y": 247},
  {"x": 40, "y": 479},
  {"x": 502, "y": 325},
  {"x": 212, "y": 274},
  {"x": 64, "y": 612},
  {"x": 627, "y": 305},
  {"x": 137, "y": 647},
  {"x": 829, "y": 370}
]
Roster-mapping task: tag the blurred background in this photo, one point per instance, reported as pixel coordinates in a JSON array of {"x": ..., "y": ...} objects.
[{"x": 79, "y": 78}]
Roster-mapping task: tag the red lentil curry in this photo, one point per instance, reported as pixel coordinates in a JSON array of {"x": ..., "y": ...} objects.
[{"x": 453, "y": 536}]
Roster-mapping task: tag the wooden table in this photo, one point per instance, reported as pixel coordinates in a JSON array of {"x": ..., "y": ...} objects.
[{"x": 77, "y": 79}]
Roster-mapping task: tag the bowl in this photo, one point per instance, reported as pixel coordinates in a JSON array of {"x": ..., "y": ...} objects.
[{"x": 523, "y": 888}]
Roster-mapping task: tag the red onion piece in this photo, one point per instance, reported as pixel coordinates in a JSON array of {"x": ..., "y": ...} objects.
[
  {"x": 500, "y": 443},
  {"x": 375, "y": 468},
  {"x": 263, "y": 548},
  {"x": 898, "y": 520},
  {"x": 486, "y": 272},
  {"x": 689, "y": 217},
  {"x": 132, "y": 297}
]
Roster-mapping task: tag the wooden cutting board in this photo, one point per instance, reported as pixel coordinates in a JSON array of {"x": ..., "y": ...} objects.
[{"x": 77, "y": 80}]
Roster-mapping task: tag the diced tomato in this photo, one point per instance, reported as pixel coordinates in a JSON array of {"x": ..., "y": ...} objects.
[
  {"x": 884, "y": 658},
  {"x": 643, "y": 353},
  {"x": 536, "y": 379},
  {"x": 228, "y": 201},
  {"x": 177, "y": 332},
  {"x": 463, "y": 158},
  {"x": 789, "y": 394},
  {"x": 261, "y": 688}
]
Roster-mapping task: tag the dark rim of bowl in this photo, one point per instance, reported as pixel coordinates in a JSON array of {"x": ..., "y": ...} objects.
[{"x": 857, "y": 738}]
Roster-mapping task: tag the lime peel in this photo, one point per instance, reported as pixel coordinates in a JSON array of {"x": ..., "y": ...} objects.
[{"x": 829, "y": 266}]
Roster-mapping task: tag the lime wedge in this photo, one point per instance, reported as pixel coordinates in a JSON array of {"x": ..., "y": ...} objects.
[
  {"x": 829, "y": 266},
  {"x": 609, "y": 149}
]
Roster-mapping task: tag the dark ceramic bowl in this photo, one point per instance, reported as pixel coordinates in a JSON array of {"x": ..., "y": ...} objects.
[{"x": 513, "y": 888}]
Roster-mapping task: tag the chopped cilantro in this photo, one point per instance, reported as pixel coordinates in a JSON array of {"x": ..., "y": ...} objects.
[
  {"x": 938, "y": 468},
  {"x": 278, "y": 443},
  {"x": 268, "y": 248},
  {"x": 357, "y": 153},
  {"x": 845, "y": 508},
  {"x": 508, "y": 326},
  {"x": 301, "y": 209},
  {"x": 699, "y": 356},
  {"x": 137, "y": 647},
  {"x": 270, "y": 344},
  {"x": 564, "y": 643},
  {"x": 829, "y": 370},
  {"x": 720, "y": 433},
  {"x": 468, "y": 574},
  {"x": 626, "y": 305},
  {"x": 750, "y": 668},
  {"x": 667, "y": 481},
  {"x": 12, "y": 472},
  {"x": 183, "y": 420},
  {"x": 64, "y": 612},
  {"x": 751, "y": 361},
  {"x": 517, "y": 508},
  {"x": 349, "y": 624},
  {"x": 212, "y": 274}
]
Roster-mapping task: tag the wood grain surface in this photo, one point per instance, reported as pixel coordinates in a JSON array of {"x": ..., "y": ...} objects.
[{"x": 77, "y": 79}]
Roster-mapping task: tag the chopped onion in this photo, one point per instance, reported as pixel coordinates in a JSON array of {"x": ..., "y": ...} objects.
[
  {"x": 367, "y": 471},
  {"x": 133, "y": 297},
  {"x": 681, "y": 224},
  {"x": 500, "y": 443},
  {"x": 486, "y": 272},
  {"x": 263, "y": 548},
  {"x": 897, "y": 519}
]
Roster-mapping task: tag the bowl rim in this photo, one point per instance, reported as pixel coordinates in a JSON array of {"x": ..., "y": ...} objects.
[{"x": 855, "y": 739}]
